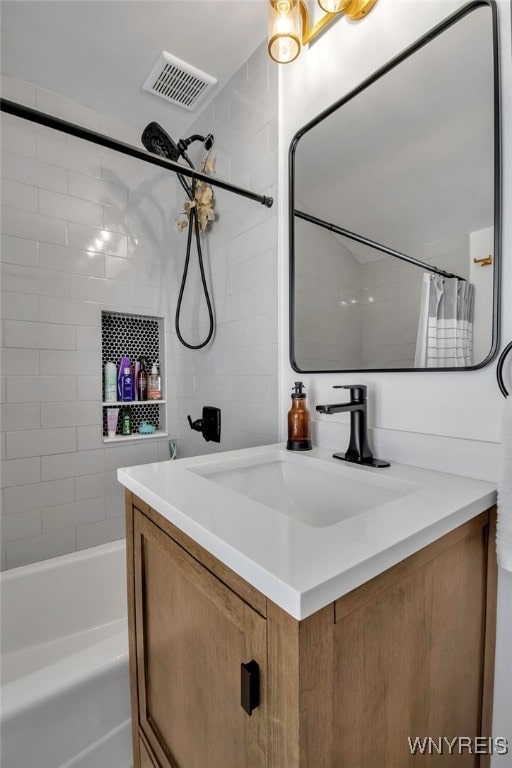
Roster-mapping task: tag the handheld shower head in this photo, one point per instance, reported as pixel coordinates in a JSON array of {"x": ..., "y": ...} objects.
[{"x": 156, "y": 140}]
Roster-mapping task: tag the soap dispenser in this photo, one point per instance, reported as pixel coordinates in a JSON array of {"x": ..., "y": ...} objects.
[{"x": 299, "y": 421}]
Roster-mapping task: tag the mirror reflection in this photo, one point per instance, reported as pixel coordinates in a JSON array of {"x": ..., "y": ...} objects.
[{"x": 393, "y": 233}]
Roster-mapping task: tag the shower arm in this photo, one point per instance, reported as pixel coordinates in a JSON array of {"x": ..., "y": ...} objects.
[
  {"x": 184, "y": 144},
  {"x": 41, "y": 118}
]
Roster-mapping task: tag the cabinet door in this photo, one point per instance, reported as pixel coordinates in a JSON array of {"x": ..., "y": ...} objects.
[
  {"x": 193, "y": 634},
  {"x": 409, "y": 662}
]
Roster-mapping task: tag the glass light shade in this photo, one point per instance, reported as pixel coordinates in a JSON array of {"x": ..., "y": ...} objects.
[
  {"x": 333, "y": 6},
  {"x": 284, "y": 30}
]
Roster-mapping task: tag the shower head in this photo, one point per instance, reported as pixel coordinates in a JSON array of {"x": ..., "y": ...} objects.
[{"x": 156, "y": 140}]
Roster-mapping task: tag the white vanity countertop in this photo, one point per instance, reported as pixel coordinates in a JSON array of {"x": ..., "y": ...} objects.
[{"x": 298, "y": 566}]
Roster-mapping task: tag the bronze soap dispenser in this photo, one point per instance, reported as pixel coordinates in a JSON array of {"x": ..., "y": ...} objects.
[{"x": 299, "y": 421}]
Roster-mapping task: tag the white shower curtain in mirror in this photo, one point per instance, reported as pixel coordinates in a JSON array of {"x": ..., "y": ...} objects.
[{"x": 445, "y": 330}]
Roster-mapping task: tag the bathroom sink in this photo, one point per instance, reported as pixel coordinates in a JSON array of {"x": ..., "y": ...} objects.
[
  {"x": 304, "y": 528},
  {"x": 316, "y": 492}
]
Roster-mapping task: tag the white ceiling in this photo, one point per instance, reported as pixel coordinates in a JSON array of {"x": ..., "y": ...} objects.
[{"x": 100, "y": 52}]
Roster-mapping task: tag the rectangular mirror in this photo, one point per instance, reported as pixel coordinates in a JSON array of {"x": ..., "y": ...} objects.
[{"x": 395, "y": 211}]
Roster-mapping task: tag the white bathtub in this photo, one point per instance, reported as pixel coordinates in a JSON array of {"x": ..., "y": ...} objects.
[{"x": 65, "y": 695}]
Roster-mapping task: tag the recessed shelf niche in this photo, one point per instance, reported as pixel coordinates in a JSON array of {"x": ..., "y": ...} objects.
[{"x": 135, "y": 336}]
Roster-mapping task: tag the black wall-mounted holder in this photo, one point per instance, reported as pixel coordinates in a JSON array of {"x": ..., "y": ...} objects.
[
  {"x": 499, "y": 369},
  {"x": 209, "y": 425}
]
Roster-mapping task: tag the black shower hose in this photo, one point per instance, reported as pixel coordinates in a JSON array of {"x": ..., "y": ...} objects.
[{"x": 193, "y": 228}]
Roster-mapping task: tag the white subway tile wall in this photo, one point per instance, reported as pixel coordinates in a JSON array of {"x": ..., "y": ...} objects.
[
  {"x": 58, "y": 196},
  {"x": 238, "y": 371},
  {"x": 331, "y": 332},
  {"x": 327, "y": 331},
  {"x": 85, "y": 229},
  {"x": 389, "y": 326}
]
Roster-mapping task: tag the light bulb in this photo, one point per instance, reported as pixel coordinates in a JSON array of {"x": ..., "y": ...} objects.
[
  {"x": 284, "y": 30},
  {"x": 333, "y": 6}
]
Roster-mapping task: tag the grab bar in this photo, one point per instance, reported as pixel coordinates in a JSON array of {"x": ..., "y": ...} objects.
[{"x": 499, "y": 369}]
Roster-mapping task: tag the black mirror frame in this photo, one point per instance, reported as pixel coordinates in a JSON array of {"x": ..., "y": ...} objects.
[{"x": 420, "y": 43}]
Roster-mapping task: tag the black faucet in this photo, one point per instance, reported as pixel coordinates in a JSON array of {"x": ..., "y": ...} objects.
[{"x": 359, "y": 451}]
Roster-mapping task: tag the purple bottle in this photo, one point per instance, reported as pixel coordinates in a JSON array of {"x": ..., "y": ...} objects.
[{"x": 125, "y": 383}]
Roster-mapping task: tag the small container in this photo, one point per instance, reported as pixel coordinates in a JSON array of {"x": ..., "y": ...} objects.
[
  {"x": 147, "y": 429},
  {"x": 154, "y": 386},
  {"x": 110, "y": 383},
  {"x": 112, "y": 417},
  {"x": 127, "y": 389},
  {"x": 126, "y": 422},
  {"x": 299, "y": 421}
]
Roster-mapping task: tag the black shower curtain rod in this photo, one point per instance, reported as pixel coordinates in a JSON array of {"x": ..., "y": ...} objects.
[
  {"x": 27, "y": 113},
  {"x": 366, "y": 241}
]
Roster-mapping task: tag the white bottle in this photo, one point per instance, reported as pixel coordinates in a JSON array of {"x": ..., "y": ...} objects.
[
  {"x": 110, "y": 383},
  {"x": 154, "y": 386}
]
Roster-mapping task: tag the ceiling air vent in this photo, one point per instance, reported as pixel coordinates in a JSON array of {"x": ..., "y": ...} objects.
[{"x": 178, "y": 82}]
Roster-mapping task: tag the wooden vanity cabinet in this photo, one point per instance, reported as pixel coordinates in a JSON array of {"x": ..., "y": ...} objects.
[
  {"x": 410, "y": 653},
  {"x": 194, "y": 635}
]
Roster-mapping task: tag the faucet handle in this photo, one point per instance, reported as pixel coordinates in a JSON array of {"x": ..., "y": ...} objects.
[{"x": 357, "y": 391}]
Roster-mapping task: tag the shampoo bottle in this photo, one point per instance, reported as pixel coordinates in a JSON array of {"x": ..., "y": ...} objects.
[
  {"x": 142, "y": 381},
  {"x": 126, "y": 421},
  {"x": 124, "y": 363},
  {"x": 299, "y": 421},
  {"x": 127, "y": 384}
]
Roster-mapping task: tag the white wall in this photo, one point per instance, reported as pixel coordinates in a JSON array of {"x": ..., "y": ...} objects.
[
  {"x": 482, "y": 245},
  {"x": 445, "y": 421},
  {"x": 237, "y": 372},
  {"x": 449, "y": 405},
  {"x": 82, "y": 229}
]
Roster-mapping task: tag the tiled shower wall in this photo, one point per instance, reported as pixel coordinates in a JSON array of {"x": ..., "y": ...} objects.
[
  {"x": 82, "y": 230},
  {"x": 85, "y": 229},
  {"x": 238, "y": 371},
  {"x": 389, "y": 325},
  {"x": 333, "y": 333},
  {"x": 327, "y": 325}
]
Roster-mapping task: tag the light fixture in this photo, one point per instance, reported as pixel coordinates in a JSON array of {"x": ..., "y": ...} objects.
[{"x": 289, "y": 25}]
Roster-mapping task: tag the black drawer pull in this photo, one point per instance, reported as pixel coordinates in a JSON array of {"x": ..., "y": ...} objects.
[{"x": 250, "y": 686}]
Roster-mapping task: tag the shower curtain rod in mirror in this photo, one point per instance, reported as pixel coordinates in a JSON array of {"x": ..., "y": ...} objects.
[
  {"x": 27, "y": 113},
  {"x": 378, "y": 247}
]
